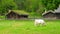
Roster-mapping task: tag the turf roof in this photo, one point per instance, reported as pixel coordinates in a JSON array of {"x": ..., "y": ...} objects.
[{"x": 21, "y": 12}]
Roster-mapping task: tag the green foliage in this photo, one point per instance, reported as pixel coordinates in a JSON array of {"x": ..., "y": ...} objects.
[
  {"x": 31, "y": 6},
  {"x": 6, "y": 5},
  {"x": 2, "y": 17},
  {"x": 37, "y": 5},
  {"x": 51, "y": 4}
]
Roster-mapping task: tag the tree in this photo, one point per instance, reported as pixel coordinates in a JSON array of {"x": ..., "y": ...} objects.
[
  {"x": 5, "y": 5},
  {"x": 51, "y": 4}
]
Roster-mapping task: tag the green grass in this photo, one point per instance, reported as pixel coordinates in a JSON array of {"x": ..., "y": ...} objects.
[
  {"x": 34, "y": 15},
  {"x": 2, "y": 17},
  {"x": 27, "y": 27}
]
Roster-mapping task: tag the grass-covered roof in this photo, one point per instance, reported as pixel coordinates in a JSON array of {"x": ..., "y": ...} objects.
[{"x": 21, "y": 12}]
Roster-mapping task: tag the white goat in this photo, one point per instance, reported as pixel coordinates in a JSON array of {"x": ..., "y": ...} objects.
[{"x": 40, "y": 22}]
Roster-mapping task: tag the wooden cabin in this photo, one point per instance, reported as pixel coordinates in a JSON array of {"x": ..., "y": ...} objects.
[
  {"x": 57, "y": 14},
  {"x": 51, "y": 15},
  {"x": 17, "y": 14}
]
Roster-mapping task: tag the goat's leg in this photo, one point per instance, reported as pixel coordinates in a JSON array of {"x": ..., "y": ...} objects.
[
  {"x": 35, "y": 23},
  {"x": 43, "y": 24}
]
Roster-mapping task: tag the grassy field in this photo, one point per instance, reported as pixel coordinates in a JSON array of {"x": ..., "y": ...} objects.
[{"x": 27, "y": 27}]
